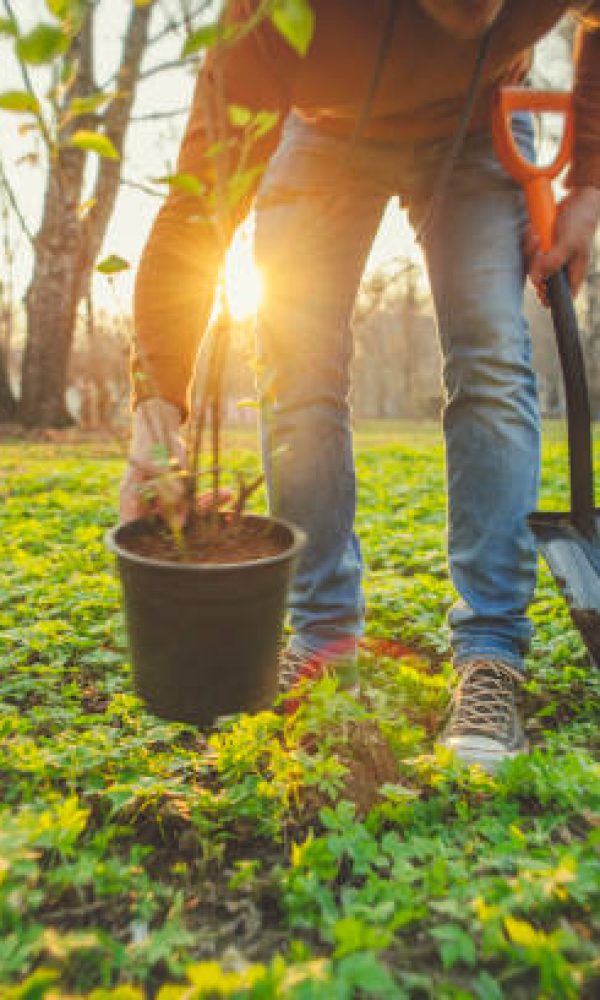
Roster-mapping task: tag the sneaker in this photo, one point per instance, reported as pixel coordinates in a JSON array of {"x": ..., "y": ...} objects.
[
  {"x": 291, "y": 669},
  {"x": 296, "y": 668},
  {"x": 484, "y": 726}
]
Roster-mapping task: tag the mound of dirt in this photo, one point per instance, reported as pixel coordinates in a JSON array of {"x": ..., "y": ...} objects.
[{"x": 370, "y": 763}]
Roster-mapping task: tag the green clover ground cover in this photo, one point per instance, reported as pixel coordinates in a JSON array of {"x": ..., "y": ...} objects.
[{"x": 330, "y": 856}]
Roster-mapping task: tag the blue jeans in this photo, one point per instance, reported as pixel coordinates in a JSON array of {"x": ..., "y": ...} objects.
[{"x": 318, "y": 210}]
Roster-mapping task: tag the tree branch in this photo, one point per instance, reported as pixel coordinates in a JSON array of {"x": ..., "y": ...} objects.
[
  {"x": 153, "y": 116},
  {"x": 152, "y": 71},
  {"x": 170, "y": 27},
  {"x": 144, "y": 188},
  {"x": 115, "y": 121},
  {"x": 165, "y": 67},
  {"x": 173, "y": 26},
  {"x": 29, "y": 83},
  {"x": 4, "y": 181}
]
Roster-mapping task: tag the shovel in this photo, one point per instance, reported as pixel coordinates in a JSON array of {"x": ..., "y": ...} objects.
[{"x": 569, "y": 541}]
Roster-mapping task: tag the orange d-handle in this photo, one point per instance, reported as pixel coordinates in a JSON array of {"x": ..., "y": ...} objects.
[{"x": 536, "y": 181}]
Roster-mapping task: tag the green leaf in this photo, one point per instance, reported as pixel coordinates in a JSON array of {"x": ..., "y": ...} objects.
[
  {"x": 8, "y": 27},
  {"x": 42, "y": 44},
  {"x": 94, "y": 142},
  {"x": 239, "y": 116},
  {"x": 57, "y": 7},
  {"x": 219, "y": 147},
  {"x": 209, "y": 978},
  {"x": 20, "y": 101},
  {"x": 295, "y": 20},
  {"x": 87, "y": 105},
  {"x": 486, "y": 988},
  {"x": 523, "y": 933},
  {"x": 202, "y": 38},
  {"x": 70, "y": 12},
  {"x": 365, "y": 972},
  {"x": 242, "y": 183},
  {"x": 183, "y": 182},
  {"x": 37, "y": 985},
  {"x": 68, "y": 75},
  {"x": 264, "y": 122},
  {"x": 455, "y": 945},
  {"x": 113, "y": 264}
]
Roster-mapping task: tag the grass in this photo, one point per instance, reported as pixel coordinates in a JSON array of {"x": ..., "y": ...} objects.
[{"x": 332, "y": 856}]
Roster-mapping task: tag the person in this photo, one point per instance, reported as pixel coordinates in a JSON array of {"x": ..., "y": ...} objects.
[{"x": 318, "y": 205}]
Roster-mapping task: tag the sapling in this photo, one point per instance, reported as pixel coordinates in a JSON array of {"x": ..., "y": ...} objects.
[
  {"x": 208, "y": 400},
  {"x": 173, "y": 488}
]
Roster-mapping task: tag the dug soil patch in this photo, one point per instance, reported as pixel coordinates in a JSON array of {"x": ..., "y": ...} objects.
[{"x": 370, "y": 763}]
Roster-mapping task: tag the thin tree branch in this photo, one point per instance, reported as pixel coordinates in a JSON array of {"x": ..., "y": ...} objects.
[
  {"x": 165, "y": 67},
  {"x": 153, "y": 116},
  {"x": 4, "y": 181},
  {"x": 29, "y": 83},
  {"x": 138, "y": 186},
  {"x": 173, "y": 26},
  {"x": 152, "y": 71}
]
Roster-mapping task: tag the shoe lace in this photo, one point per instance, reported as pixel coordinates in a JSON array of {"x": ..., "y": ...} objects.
[
  {"x": 485, "y": 699},
  {"x": 291, "y": 665}
]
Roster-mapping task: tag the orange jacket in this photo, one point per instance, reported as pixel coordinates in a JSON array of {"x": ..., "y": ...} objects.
[{"x": 420, "y": 96}]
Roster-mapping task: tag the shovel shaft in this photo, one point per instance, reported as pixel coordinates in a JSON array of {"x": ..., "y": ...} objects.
[
  {"x": 578, "y": 403},
  {"x": 536, "y": 182}
]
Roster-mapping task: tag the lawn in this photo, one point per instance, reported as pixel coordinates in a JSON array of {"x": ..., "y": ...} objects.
[{"x": 328, "y": 856}]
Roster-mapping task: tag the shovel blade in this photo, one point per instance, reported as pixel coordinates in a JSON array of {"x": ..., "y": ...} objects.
[{"x": 574, "y": 562}]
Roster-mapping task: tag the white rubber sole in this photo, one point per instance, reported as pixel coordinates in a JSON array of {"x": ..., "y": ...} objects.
[{"x": 487, "y": 753}]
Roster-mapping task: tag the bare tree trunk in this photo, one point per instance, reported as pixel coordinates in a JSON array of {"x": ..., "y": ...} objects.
[
  {"x": 408, "y": 319},
  {"x": 52, "y": 297},
  {"x": 66, "y": 247},
  {"x": 8, "y": 403}
]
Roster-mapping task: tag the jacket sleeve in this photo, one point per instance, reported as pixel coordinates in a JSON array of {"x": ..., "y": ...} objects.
[
  {"x": 224, "y": 151},
  {"x": 585, "y": 169}
]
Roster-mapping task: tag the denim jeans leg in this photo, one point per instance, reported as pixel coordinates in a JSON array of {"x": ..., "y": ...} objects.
[
  {"x": 315, "y": 221},
  {"x": 490, "y": 419}
]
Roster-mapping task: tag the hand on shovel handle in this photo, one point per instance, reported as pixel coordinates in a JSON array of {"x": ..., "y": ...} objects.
[
  {"x": 557, "y": 237},
  {"x": 576, "y": 221}
]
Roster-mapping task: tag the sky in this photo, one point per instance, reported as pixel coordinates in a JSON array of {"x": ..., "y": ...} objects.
[{"x": 151, "y": 150}]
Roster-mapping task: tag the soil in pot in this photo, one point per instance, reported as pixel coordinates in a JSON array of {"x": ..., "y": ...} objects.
[{"x": 231, "y": 540}]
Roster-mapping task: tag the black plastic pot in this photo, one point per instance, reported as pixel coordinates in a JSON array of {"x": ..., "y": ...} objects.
[{"x": 204, "y": 638}]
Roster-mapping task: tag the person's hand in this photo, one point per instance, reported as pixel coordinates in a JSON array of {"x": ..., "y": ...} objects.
[
  {"x": 154, "y": 478},
  {"x": 154, "y": 481},
  {"x": 577, "y": 218}
]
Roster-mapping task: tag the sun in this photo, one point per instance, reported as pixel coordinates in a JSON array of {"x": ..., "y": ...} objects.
[{"x": 243, "y": 282}]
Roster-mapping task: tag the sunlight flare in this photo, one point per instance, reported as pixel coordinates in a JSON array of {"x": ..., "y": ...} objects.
[{"x": 243, "y": 281}]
